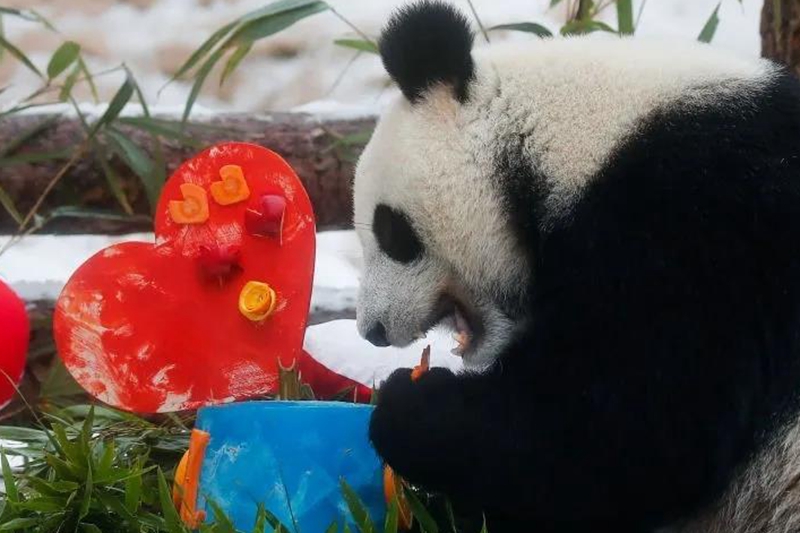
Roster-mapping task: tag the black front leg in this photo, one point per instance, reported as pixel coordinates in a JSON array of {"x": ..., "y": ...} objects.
[{"x": 440, "y": 431}]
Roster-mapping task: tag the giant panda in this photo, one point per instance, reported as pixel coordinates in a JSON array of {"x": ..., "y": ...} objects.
[{"x": 611, "y": 227}]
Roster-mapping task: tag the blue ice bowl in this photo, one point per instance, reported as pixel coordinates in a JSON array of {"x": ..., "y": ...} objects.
[{"x": 290, "y": 457}]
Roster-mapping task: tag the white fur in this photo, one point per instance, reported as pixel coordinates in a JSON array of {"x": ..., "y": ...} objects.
[
  {"x": 766, "y": 496},
  {"x": 573, "y": 100}
]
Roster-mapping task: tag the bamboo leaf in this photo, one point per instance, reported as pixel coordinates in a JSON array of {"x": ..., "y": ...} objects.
[
  {"x": 234, "y": 60},
  {"x": 138, "y": 161},
  {"x": 115, "y": 106},
  {"x": 8, "y": 478},
  {"x": 16, "y": 524},
  {"x": 62, "y": 58},
  {"x": 173, "y": 521},
  {"x": 527, "y": 27},
  {"x": 8, "y": 205},
  {"x": 584, "y": 26},
  {"x": 203, "y": 51},
  {"x": 87, "y": 493},
  {"x": 392, "y": 517},
  {"x": 27, "y": 14},
  {"x": 164, "y": 128},
  {"x": 89, "y": 79},
  {"x": 69, "y": 83},
  {"x": 333, "y": 528},
  {"x": 113, "y": 180},
  {"x": 19, "y": 55},
  {"x": 276, "y": 19},
  {"x": 358, "y": 44},
  {"x": 222, "y": 523},
  {"x": 710, "y": 28},
  {"x": 357, "y": 508},
  {"x": 199, "y": 79},
  {"x": 261, "y": 520},
  {"x": 426, "y": 521},
  {"x": 625, "y": 17},
  {"x": 133, "y": 490}
]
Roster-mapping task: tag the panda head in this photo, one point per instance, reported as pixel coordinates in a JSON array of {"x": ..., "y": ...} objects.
[{"x": 437, "y": 245}]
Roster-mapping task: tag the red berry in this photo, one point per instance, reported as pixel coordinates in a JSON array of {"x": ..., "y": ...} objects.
[{"x": 266, "y": 220}]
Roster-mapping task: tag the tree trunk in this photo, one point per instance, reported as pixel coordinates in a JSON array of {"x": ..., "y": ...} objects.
[
  {"x": 321, "y": 152},
  {"x": 780, "y": 32}
]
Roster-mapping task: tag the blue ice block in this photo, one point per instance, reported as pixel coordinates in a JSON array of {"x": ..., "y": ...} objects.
[{"x": 289, "y": 456}]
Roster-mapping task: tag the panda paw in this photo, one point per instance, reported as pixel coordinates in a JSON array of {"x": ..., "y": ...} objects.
[{"x": 409, "y": 426}]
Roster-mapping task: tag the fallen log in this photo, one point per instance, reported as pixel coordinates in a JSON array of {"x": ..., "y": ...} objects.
[{"x": 322, "y": 152}]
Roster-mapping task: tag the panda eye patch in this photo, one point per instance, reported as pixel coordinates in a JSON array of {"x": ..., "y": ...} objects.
[{"x": 395, "y": 235}]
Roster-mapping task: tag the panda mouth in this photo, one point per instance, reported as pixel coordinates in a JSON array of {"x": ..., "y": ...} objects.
[{"x": 458, "y": 317}]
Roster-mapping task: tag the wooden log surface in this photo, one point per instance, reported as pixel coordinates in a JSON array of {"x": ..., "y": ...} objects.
[
  {"x": 310, "y": 144},
  {"x": 780, "y": 32}
]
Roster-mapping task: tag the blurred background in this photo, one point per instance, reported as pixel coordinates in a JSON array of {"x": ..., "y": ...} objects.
[{"x": 300, "y": 65}]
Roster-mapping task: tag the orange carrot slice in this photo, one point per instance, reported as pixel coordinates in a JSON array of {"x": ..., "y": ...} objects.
[
  {"x": 233, "y": 187},
  {"x": 193, "y": 209},
  {"x": 424, "y": 364}
]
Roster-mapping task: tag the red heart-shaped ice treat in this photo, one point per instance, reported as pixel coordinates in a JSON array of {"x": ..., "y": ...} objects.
[{"x": 206, "y": 313}]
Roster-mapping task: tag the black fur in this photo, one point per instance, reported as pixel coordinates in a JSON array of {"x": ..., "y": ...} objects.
[
  {"x": 395, "y": 235},
  {"x": 425, "y": 44},
  {"x": 663, "y": 344}
]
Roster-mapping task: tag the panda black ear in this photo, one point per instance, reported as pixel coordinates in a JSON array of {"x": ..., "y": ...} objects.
[{"x": 428, "y": 43}]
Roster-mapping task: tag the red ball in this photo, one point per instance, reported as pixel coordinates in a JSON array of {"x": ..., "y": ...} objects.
[{"x": 14, "y": 338}]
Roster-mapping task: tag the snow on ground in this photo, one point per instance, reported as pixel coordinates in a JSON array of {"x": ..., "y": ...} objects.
[
  {"x": 299, "y": 66},
  {"x": 337, "y": 345},
  {"x": 38, "y": 266}
]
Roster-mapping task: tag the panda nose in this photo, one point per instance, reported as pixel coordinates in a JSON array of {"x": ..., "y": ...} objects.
[{"x": 377, "y": 335}]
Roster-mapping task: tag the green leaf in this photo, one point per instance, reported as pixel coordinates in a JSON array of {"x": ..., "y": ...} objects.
[
  {"x": 357, "y": 508},
  {"x": 69, "y": 84},
  {"x": 9, "y": 482},
  {"x": 116, "y": 105},
  {"x": 113, "y": 180},
  {"x": 139, "y": 162},
  {"x": 527, "y": 27},
  {"x": 707, "y": 34},
  {"x": 62, "y": 58},
  {"x": 51, "y": 488},
  {"x": 426, "y": 521},
  {"x": 584, "y": 26},
  {"x": 276, "y": 17},
  {"x": 86, "y": 433},
  {"x": 87, "y": 493},
  {"x": 22, "y": 434},
  {"x": 203, "y": 51},
  {"x": 625, "y": 17},
  {"x": 90, "y": 528},
  {"x": 133, "y": 490},
  {"x": 8, "y": 205},
  {"x": 89, "y": 79},
  {"x": 199, "y": 79},
  {"x": 483, "y": 528},
  {"x": 17, "y": 53},
  {"x": 173, "y": 521},
  {"x": 165, "y": 128},
  {"x": 261, "y": 520},
  {"x": 234, "y": 60},
  {"x": 222, "y": 523},
  {"x": 16, "y": 524},
  {"x": 358, "y": 44},
  {"x": 554, "y": 3},
  {"x": 333, "y": 528},
  {"x": 392, "y": 517},
  {"x": 27, "y": 14},
  {"x": 42, "y": 504}
]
